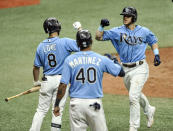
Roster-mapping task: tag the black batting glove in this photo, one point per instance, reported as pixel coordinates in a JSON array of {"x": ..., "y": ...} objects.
[
  {"x": 96, "y": 106},
  {"x": 122, "y": 73},
  {"x": 108, "y": 55},
  {"x": 157, "y": 60},
  {"x": 112, "y": 57},
  {"x": 104, "y": 22}
]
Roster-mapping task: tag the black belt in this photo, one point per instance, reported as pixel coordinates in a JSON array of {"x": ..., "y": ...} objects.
[{"x": 132, "y": 65}]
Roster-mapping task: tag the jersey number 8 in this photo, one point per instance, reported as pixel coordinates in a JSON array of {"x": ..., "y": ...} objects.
[{"x": 52, "y": 60}]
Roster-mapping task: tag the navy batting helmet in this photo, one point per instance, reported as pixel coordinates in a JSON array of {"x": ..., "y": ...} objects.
[
  {"x": 51, "y": 25},
  {"x": 83, "y": 38},
  {"x": 131, "y": 11}
]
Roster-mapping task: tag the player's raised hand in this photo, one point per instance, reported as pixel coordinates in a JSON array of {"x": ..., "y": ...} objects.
[
  {"x": 104, "y": 22},
  {"x": 157, "y": 60},
  {"x": 77, "y": 25},
  {"x": 56, "y": 111},
  {"x": 112, "y": 57}
]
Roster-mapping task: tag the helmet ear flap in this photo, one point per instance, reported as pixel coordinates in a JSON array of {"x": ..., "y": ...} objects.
[
  {"x": 58, "y": 27},
  {"x": 46, "y": 30},
  {"x": 133, "y": 19},
  {"x": 49, "y": 24}
]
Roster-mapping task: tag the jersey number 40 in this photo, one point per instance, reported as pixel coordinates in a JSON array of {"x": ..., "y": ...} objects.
[{"x": 88, "y": 75}]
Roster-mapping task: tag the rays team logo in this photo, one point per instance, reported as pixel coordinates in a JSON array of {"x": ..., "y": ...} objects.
[{"x": 131, "y": 40}]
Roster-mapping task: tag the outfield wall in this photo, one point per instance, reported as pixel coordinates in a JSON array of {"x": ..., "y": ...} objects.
[{"x": 17, "y": 3}]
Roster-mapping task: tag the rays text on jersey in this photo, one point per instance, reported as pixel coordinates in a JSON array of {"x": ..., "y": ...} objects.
[{"x": 131, "y": 40}]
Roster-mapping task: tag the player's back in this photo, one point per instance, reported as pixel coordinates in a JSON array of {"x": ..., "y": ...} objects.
[
  {"x": 52, "y": 52},
  {"x": 86, "y": 69}
]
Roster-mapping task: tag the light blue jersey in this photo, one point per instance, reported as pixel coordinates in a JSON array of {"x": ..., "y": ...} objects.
[
  {"x": 84, "y": 70},
  {"x": 130, "y": 44},
  {"x": 52, "y": 52}
]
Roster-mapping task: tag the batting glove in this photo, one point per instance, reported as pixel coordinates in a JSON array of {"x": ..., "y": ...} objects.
[
  {"x": 77, "y": 25},
  {"x": 36, "y": 83},
  {"x": 104, "y": 22},
  {"x": 96, "y": 106},
  {"x": 157, "y": 60},
  {"x": 112, "y": 57}
]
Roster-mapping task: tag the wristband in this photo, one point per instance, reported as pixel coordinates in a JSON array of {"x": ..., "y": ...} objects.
[
  {"x": 57, "y": 102},
  {"x": 156, "y": 51},
  {"x": 100, "y": 29}
]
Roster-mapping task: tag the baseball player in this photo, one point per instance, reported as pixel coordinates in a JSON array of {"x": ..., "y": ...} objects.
[
  {"x": 50, "y": 55},
  {"x": 84, "y": 71},
  {"x": 130, "y": 41}
]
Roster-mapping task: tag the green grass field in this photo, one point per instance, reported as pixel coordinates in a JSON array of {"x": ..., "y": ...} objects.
[
  {"x": 21, "y": 31},
  {"x": 17, "y": 114}
]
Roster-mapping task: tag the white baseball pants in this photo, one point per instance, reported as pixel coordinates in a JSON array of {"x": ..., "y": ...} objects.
[
  {"x": 83, "y": 115},
  {"x": 47, "y": 97},
  {"x": 134, "y": 81}
]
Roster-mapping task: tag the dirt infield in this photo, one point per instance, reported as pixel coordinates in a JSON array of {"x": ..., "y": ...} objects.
[
  {"x": 17, "y": 3},
  {"x": 160, "y": 82}
]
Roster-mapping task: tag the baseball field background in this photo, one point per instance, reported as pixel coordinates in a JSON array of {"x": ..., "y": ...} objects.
[{"x": 21, "y": 31}]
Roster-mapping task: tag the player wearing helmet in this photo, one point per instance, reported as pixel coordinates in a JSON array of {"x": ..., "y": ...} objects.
[
  {"x": 130, "y": 12},
  {"x": 84, "y": 71},
  {"x": 130, "y": 42},
  {"x": 50, "y": 55}
]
